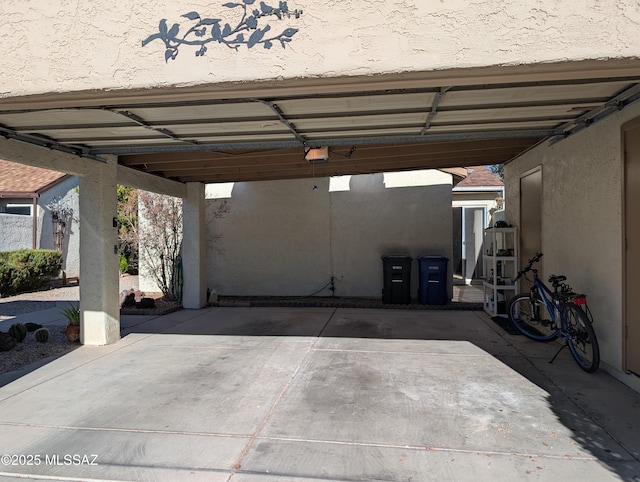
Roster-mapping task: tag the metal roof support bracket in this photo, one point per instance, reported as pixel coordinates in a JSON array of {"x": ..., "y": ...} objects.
[
  {"x": 626, "y": 98},
  {"x": 41, "y": 141},
  {"x": 142, "y": 123},
  {"x": 434, "y": 109},
  {"x": 276, "y": 110}
]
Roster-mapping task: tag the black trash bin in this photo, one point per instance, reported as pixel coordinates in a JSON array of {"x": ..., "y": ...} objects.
[
  {"x": 433, "y": 287},
  {"x": 396, "y": 279}
]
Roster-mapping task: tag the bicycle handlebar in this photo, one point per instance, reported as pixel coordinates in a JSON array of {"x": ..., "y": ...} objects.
[{"x": 530, "y": 264}]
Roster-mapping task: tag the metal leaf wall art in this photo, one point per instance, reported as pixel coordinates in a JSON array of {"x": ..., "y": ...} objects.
[{"x": 250, "y": 30}]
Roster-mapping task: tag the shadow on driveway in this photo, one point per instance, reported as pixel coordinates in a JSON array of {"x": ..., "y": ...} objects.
[
  {"x": 270, "y": 394},
  {"x": 601, "y": 413}
]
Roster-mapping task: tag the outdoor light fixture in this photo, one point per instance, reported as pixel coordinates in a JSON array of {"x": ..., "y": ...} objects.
[{"x": 317, "y": 155}]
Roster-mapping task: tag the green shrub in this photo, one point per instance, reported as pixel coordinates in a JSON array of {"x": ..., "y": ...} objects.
[
  {"x": 6, "y": 272},
  {"x": 27, "y": 269},
  {"x": 41, "y": 335},
  {"x": 124, "y": 264}
]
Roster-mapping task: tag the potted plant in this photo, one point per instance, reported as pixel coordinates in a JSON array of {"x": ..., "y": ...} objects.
[{"x": 72, "y": 314}]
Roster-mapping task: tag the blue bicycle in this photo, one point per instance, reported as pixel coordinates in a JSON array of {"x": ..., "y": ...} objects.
[{"x": 545, "y": 315}]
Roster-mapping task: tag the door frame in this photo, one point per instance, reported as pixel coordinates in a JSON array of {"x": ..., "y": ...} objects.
[
  {"x": 627, "y": 126},
  {"x": 465, "y": 209},
  {"x": 522, "y": 261}
]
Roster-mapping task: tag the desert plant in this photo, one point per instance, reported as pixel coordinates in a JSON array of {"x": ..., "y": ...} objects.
[
  {"x": 160, "y": 239},
  {"x": 72, "y": 314},
  {"x": 18, "y": 331},
  {"x": 41, "y": 335}
]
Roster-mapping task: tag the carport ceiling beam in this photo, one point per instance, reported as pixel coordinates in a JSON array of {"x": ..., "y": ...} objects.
[
  {"x": 142, "y": 123},
  {"x": 619, "y": 102},
  {"x": 434, "y": 109},
  {"x": 361, "y": 141},
  {"x": 42, "y": 141},
  {"x": 276, "y": 110}
]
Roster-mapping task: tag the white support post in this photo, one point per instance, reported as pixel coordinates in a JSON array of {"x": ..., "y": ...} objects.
[
  {"x": 99, "y": 283},
  {"x": 193, "y": 247}
]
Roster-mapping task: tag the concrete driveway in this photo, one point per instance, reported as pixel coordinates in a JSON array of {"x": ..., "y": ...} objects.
[{"x": 277, "y": 394}]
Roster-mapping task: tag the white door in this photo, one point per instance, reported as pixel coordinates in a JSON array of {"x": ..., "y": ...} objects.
[{"x": 473, "y": 225}]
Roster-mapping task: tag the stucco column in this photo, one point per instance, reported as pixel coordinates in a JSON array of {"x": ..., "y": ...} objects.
[
  {"x": 99, "y": 284},
  {"x": 193, "y": 247}
]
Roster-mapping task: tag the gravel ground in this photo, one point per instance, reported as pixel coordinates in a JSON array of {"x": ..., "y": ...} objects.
[{"x": 30, "y": 351}]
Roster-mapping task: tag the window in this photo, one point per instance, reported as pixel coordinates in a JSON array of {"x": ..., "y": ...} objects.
[{"x": 22, "y": 209}]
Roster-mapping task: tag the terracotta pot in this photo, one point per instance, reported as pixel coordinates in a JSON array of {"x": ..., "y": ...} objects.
[{"x": 72, "y": 332}]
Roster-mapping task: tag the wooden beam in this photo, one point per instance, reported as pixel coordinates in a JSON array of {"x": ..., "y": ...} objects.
[
  {"x": 278, "y": 155},
  {"x": 329, "y": 169},
  {"x": 470, "y": 158}
]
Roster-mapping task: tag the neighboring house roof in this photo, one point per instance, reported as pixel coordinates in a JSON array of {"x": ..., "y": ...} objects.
[
  {"x": 478, "y": 176},
  {"x": 458, "y": 173},
  {"x": 18, "y": 179}
]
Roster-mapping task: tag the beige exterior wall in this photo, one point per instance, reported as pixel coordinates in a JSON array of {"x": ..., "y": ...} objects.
[
  {"x": 582, "y": 220},
  {"x": 59, "y": 46},
  {"x": 283, "y": 238}
]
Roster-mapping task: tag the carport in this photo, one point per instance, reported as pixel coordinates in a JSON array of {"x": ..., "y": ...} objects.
[
  {"x": 384, "y": 86},
  {"x": 174, "y": 140}
]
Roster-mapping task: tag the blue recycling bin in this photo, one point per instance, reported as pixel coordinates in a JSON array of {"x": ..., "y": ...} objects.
[{"x": 433, "y": 287}]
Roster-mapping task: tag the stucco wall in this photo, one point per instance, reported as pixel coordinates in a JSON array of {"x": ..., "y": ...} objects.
[
  {"x": 66, "y": 191},
  {"x": 283, "y": 238},
  {"x": 60, "y": 45},
  {"x": 16, "y": 231},
  {"x": 582, "y": 219}
]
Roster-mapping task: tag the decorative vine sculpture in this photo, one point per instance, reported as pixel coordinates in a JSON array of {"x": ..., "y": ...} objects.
[
  {"x": 207, "y": 30},
  {"x": 60, "y": 209}
]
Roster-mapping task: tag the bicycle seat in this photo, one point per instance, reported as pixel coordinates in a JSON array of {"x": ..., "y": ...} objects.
[{"x": 556, "y": 280}]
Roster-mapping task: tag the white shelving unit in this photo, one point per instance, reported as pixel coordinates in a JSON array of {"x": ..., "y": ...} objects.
[{"x": 500, "y": 258}]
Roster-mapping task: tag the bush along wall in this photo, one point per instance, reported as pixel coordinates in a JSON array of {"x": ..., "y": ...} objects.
[{"x": 27, "y": 269}]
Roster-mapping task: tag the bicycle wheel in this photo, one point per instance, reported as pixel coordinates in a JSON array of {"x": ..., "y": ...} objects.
[
  {"x": 582, "y": 339},
  {"x": 533, "y": 321}
]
